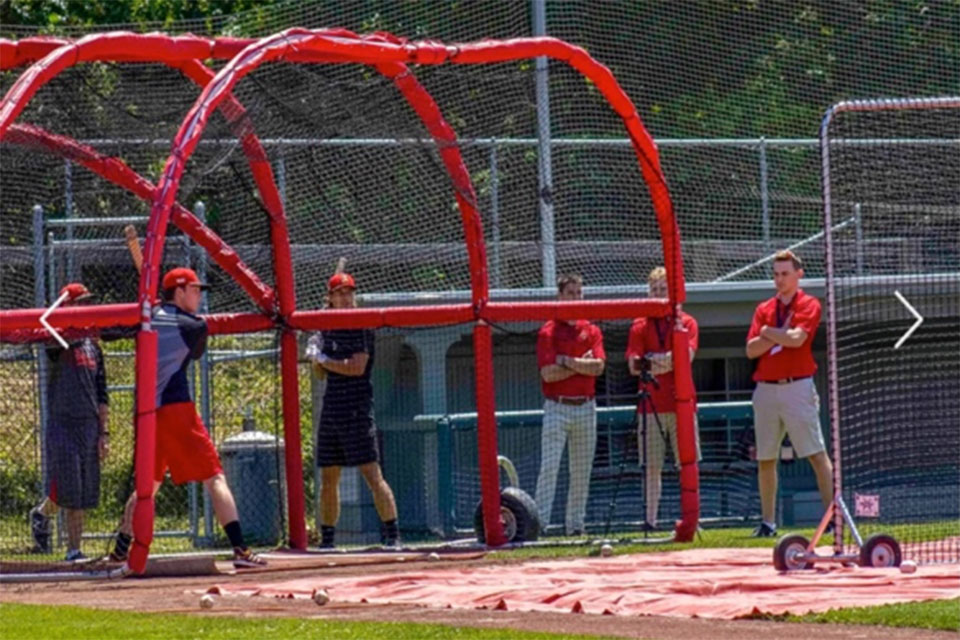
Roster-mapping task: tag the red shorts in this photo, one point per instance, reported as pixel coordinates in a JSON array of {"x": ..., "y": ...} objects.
[{"x": 184, "y": 446}]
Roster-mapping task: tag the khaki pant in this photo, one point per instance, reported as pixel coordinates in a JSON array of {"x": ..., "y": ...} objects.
[
  {"x": 656, "y": 447},
  {"x": 576, "y": 427},
  {"x": 792, "y": 408}
]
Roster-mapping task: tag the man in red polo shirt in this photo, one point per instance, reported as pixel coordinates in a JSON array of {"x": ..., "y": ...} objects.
[
  {"x": 785, "y": 400},
  {"x": 570, "y": 356},
  {"x": 652, "y": 338}
]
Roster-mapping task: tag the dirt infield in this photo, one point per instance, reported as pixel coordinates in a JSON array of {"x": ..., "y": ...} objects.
[{"x": 178, "y": 595}]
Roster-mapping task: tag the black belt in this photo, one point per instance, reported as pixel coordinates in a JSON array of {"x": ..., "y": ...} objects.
[
  {"x": 785, "y": 380},
  {"x": 575, "y": 401}
]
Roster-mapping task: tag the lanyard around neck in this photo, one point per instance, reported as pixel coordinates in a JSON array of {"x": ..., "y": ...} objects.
[
  {"x": 785, "y": 313},
  {"x": 662, "y": 326}
]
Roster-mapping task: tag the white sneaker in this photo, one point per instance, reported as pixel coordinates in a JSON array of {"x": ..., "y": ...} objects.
[{"x": 122, "y": 572}]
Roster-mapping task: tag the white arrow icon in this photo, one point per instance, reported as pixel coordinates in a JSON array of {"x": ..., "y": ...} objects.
[
  {"x": 916, "y": 324},
  {"x": 46, "y": 325}
]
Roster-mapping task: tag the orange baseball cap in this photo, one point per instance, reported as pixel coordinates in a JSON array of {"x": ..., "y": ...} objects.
[
  {"x": 76, "y": 292},
  {"x": 341, "y": 281},
  {"x": 182, "y": 276}
]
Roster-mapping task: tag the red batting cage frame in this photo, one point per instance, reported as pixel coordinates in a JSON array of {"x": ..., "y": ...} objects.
[{"x": 392, "y": 57}]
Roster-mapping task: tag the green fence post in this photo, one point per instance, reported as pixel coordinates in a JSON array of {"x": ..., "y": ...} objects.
[{"x": 445, "y": 475}]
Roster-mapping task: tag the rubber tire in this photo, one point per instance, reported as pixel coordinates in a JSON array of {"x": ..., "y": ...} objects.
[
  {"x": 517, "y": 504},
  {"x": 880, "y": 540},
  {"x": 786, "y": 545}
]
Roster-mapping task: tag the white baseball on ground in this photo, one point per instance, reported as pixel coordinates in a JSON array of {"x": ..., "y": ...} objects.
[
  {"x": 206, "y": 601},
  {"x": 606, "y": 551},
  {"x": 321, "y": 597},
  {"x": 908, "y": 566},
  {"x": 433, "y": 556}
]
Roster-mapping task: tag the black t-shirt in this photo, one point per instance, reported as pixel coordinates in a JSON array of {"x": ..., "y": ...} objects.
[
  {"x": 77, "y": 384},
  {"x": 348, "y": 399}
]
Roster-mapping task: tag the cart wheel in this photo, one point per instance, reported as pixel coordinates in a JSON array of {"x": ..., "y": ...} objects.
[
  {"x": 880, "y": 550},
  {"x": 788, "y": 554},
  {"x": 518, "y": 513}
]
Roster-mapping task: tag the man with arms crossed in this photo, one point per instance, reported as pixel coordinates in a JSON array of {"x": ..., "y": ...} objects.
[
  {"x": 653, "y": 338},
  {"x": 570, "y": 356},
  {"x": 785, "y": 400},
  {"x": 76, "y": 438},
  {"x": 347, "y": 435},
  {"x": 183, "y": 444}
]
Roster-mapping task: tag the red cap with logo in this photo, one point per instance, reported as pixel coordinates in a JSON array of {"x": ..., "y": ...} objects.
[
  {"x": 180, "y": 277},
  {"x": 341, "y": 281},
  {"x": 76, "y": 292}
]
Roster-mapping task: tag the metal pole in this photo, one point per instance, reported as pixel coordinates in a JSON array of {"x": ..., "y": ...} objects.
[
  {"x": 194, "y": 518},
  {"x": 68, "y": 213},
  {"x": 765, "y": 196},
  {"x": 40, "y": 302},
  {"x": 544, "y": 159},
  {"x": 200, "y": 210},
  {"x": 495, "y": 217},
  {"x": 831, "y": 299},
  {"x": 858, "y": 227},
  {"x": 52, "y": 295},
  {"x": 51, "y": 266},
  {"x": 282, "y": 178}
]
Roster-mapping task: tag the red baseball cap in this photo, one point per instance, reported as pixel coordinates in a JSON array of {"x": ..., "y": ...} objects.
[
  {"x": 180, "y": 277},
  {"x": 340, "y": 281},
  {"x": 76, "y": 292}
]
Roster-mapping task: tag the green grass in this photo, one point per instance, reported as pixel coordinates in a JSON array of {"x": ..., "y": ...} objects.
[
  {"x": 735, "y": 538},
  {"x": 34, "y": 621},
  {"x": 930, "y": 614}
]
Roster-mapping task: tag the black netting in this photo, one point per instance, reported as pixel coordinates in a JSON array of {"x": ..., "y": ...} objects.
[
  {"x": 733, "y": 94},
  {"x": 896, "y": 206}
]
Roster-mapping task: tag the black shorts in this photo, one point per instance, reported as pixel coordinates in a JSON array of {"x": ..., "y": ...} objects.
[
  {"x": 73, "y": 463},
  {"x": 347, "y": 445}
]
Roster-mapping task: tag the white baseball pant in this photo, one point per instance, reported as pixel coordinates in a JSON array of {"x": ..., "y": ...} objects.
[{"x": 574, "y": 426}]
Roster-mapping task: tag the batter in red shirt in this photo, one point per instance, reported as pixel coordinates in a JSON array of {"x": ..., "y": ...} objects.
[
  {"x": 785, "y": 400},
  {"x": 183, "y": 445},
  {"x": 570, "y": 356}
]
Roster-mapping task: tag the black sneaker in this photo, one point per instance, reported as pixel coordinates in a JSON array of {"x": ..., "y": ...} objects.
[
  {"x": 764, "y": 531},
  {"x": 40, "y": 530},
  {"x": 391, "y": 544},
  {"x": 648, "y": 526},
  {"x": 75, "y": 555},
  {"x": 327, "y": 535}
]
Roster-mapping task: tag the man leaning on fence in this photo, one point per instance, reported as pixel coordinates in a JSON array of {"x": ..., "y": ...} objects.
[
  {"x": 570, "y": 356},
  {"x": 785, "y": 401},
  {"x": 76, "y": 438}
]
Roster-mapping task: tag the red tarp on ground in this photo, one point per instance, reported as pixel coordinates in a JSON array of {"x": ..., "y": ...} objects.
[{"x": 709, "y": 583}]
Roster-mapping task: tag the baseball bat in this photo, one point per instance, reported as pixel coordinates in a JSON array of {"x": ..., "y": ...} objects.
[
  {"x": 133, "y": 244},
  {"x": 341, "y": 265}
]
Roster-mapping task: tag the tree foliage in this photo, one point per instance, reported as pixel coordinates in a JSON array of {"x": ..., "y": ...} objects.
[{"x": 712, "y": 69}]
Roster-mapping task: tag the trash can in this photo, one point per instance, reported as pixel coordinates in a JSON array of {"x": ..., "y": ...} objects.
[{"x": 253, "y": 464}]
